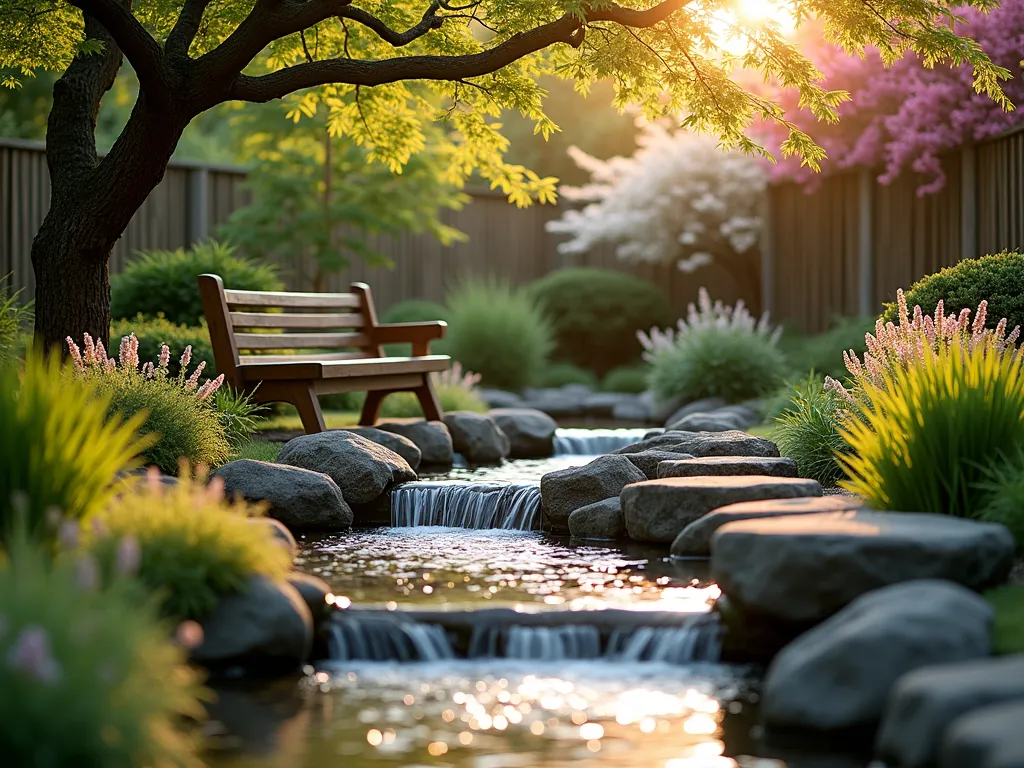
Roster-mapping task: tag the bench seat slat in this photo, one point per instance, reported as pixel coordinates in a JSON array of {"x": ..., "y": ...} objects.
[
  {"x": 295, "y": 322},
  {"x": 303, "y": 368},
  {"x": 301, "y": 340},
  {"x": 321, "y": 357},
  {"x": 236, "y": 299}
]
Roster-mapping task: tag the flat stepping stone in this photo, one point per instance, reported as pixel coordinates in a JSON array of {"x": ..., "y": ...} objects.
[
  {"x": 729, "y": 443},
  {"x": 924, "y": 703},
  {"x": 657, "y": 510},
  {"x": 649, "y": 461},
  {"x": 695, "y": 539},
  {"x": 804, "y": 568},
  {"x": 988, "y": 737},
  {"x": 772, "y": 466},
  {"x": 566, "y": 490}
]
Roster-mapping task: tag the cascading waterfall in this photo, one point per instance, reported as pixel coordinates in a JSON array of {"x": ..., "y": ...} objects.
[
  {"x": 595, "y": 442},
  {"x": 538, "y": 643},
  {"x": 466, "y": 505},
  {"x": 671, "y": 645},
  {"x": 378, "y": 639}
]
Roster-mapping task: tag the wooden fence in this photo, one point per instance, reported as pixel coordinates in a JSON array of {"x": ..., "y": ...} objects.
[
  {"x": 190, "y": 202},
  {"x": 845, "y": 247}
]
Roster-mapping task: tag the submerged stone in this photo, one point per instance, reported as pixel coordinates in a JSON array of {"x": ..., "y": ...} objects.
[
  {"x": 657, "y": 510},
  {"x": 804, "y": 568}
]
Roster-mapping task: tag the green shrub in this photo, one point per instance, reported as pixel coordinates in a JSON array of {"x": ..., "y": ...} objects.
[
  {"x": 1004, "y": 485},
  {"x": 499, "y": 333},
  {"x": 416, "y": 311},
  {"x": 595, "y": 314},
  {"x": 997, "y": 279},
  {"x": 560, "y": 374},
  {"x": 193, "y": 546},
  {"x": 350, "y": 402},
  {"x": 1008, "y": 627},
  {"x": 165, "y": 281},
  {"x": 14, "y": 320},
  {"x": 90, "y": 677},
  {"x": 823, "y": 352},
  {"x": 807, "y": 431},
  {"x": 926, "y": 432},
  {"x": 179, "y": 411},
  {"x": 239, "y": 415},
  {"x": 60, "y": 449},
  {"x": 627, "y": 378},
  {"x": 404, "y": 405},
  {"x": 154, "y": 333},
  {"x": 714, "y": 362}
]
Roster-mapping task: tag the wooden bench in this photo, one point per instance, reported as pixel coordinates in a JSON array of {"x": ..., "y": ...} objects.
[{"x": 335, "y": 344}]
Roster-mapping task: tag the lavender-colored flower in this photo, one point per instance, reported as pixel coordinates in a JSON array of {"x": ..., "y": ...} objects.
[
  {"x": 87, "y": 573},
  {"x": 68, "y": 535},
  {"x": 31, "y": 655}
]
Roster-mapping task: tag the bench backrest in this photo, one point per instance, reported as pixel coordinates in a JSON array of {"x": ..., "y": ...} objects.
[{"x": 250, "y": 326}]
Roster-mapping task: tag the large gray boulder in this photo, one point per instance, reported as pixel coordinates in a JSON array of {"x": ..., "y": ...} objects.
[
  {"x": 314, "y": 592},
  {"x": 839, "y": 674},
  {"x": 393, "y": 441},
  {"x": 603, "y": 404},
  {"x": 363, "y": 470},
  {"x": 988, "y": 737},
  {"x": 266, "y": 628},
  {"x": 282, "y": 535},
  {"x": 804, "y": 568},
  {"x": 697, "y": 406},
  {"x": 925, "y": 702},
  {"x": 601, "y": 521},
  {"x": 531, "y": 433},
  {"x": 695, "y": 539},
  {"x": 431, "y": 437},
  {"x": 657, "y": 510},
  {"x": 567, "y": 490},
  {"x": 772, "y": 466},
  {"x": 300, "y": 498},
  {"x": 499, "y": 398},
  {"x": 560, "y": 401},
  {"x": 649, "y": 461},
  {"x": 477, "y": 437},
  {"x": 731, "y": 443}
]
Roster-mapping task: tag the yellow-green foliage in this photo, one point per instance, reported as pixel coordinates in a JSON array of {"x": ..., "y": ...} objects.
[
  {"x": 59, "y": 448},
  {"x": 925, "y": 432},
  {"x": 90, "y": 677},
  {"x": 1008, "y": 630},
  {"x": 194, "y": 547}
]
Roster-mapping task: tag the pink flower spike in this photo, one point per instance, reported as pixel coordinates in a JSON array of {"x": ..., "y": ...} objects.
[
  {"x": 31, "y": 655},
  {"x": 101, "y": 352},
  {"x": 68, "y": 535},
  {"x": 87, "y": 573},
  {"x": 979, "y": 319},
  {"x": 129, "y": 556},
  {"x": 90, "y": 350},
  {"x": 165, "y": 355},
  {"x": 901, "y": 303},
  {"x": 186, "y": 357},
  {"x": 193, "y": 380},
  {"x": 76, "y": 354}
]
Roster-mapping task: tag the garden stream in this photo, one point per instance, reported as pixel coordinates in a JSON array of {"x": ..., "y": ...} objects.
[{"x": 469, "y": 638}]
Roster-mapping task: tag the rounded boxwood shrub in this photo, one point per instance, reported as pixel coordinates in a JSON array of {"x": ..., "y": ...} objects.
[
  {"x": 165, "y": 281},
  {"x": 90, "y": 677},
  {"x": 627, "y": 378},
  {"x": 596, "y": 313},
  {"x": 498, "y": 333},
  {"x": 997, "y": 279},
  {"x": 153, "y": 333},
  {"x": 560, "y": 374},
  {"x": 716, "y": 362},
  {"x": 193, "y": 546},
  {"x": 60, "y": 448}
]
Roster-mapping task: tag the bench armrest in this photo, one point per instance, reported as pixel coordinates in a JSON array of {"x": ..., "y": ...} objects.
[{"x": 419, "y": 334}]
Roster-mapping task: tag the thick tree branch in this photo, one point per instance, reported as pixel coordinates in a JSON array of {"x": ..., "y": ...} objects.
[
  {"x": 185, "y": 28},
  {"x": 429, "y": 21},
  {"x": 135, "y": 42},
  {"x": 567, "y": 29}
]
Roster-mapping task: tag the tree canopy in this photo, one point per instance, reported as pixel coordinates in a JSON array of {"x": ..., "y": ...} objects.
[{"x": 479, "y": 56}]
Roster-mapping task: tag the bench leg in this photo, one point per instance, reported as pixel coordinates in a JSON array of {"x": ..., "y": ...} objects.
[
  {"x": 305, "y": 400},
  {"x": 371, "y": 407},
  {"x": 428, "y": 400}
]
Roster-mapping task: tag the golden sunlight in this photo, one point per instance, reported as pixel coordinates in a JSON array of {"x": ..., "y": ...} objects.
[{"x": 730, "y": 22}]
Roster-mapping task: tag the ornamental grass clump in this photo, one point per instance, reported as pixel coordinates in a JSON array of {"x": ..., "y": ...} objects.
[
  {"x": 927, "y": 427},
  {"x": 179, "y": 410},
  {"x": 808, "y": 431},
  {"x": 89, "y": 674},
  {"x": 1003, "y": 486},
  {"x": 60, "y": 443},
  {"x": 456, "y": 390},
  {"x": 193, "y": 546},
  {"x": 716, "y": 351}
]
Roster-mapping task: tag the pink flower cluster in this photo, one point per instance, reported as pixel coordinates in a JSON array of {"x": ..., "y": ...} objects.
[
  {"x": 906, "y": 116},
  {"x": 94, "y": 358},
  {"x": 898, "y": 346},
  {"x": 456, "y": 377}
]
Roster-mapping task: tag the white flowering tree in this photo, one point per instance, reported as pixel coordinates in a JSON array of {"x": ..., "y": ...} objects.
[{"x": 678, "y": 199}]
